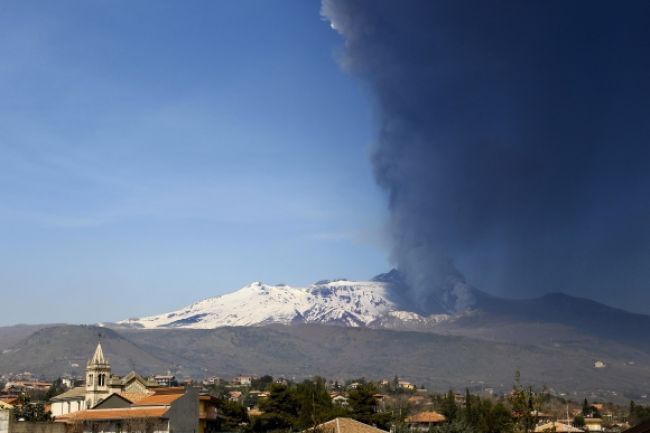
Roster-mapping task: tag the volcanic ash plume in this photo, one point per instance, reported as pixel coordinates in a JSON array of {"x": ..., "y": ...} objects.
[{"x": 513, "y": 142}]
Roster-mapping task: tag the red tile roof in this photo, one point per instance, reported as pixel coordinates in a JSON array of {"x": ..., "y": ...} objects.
[
  {"x": 158, "y": 400},
  {"x": 427, "y": 417},
  {"x": 134, "y": 397},
  {"x": 115, "y": 414},
  {"x": 345, "y": 425}
]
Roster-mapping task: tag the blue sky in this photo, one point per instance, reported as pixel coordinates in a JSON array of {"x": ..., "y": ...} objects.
[{"x": 156, "y": 154}]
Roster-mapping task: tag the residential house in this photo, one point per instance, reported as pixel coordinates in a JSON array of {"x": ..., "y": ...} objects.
[
  {"x": 68, "y": 381},
  {"x": 243, "y": 380},
  {"x": 594, "y": 424},
  {"x": 11, "y": 400},
  {"x": 208, "y": 413},
  {"x": 212, "y": 380},
  {"x": 423, "y": 421},
  {"x": 418, "y": 400},
  {"x": 344, "y": 425},
  {"x": 235, "y": 396},
  {"x": 165, "y": 380},
  {"x": 19, "y": 386},
  {"x": 557, "y": 427}
]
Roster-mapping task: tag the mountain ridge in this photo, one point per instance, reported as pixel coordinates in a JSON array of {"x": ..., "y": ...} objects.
[
  {"x": 334, "y": 302},
  {"x": 382, "y": 303}
]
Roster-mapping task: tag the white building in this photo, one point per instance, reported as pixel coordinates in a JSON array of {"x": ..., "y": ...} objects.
[
  {"x": 70, "y": 401},
  {"x": 5, "y": 417}
]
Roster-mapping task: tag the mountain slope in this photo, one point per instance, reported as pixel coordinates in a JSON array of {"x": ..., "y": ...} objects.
[
  {"x": 339, "y": 302},
  {"x": 299, "y": 351},
  {"x": 384, "y": 303},
  {"x": 57, "y": 350},
  {"x": 10, "y": 335}
]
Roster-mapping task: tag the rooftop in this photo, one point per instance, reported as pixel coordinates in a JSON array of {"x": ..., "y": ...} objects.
[
  {"x": 76, "y": 393},
  {"x": 426, "y": 417},
  {"x": 557, "y": 427},
  {"x": 346, "y": 425},
  {"x": 113, "y": 414}
]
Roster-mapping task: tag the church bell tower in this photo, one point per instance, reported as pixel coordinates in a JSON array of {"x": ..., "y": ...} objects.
[{"x": 98, "y": 374}]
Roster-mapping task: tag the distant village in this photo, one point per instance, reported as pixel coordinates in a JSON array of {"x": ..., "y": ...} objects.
[{"x": 103, "y": 402}]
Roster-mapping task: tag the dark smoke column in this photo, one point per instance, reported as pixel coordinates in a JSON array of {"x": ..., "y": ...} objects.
[{"x": 513, "y": 142}]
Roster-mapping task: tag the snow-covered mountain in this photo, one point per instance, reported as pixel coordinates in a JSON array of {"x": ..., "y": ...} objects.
[{"x": 337, "y": 302}]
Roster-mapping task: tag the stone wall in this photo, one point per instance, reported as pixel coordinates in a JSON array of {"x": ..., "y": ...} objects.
[{"x": 37, "y": 427}]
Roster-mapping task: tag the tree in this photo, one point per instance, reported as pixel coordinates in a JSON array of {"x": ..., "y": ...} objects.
[
  {"x": 448, "y": 406},
  {"x": 470, "y": 414},
  {"x": 314, "y": 404},
  {"x": 363, "y": 406},
  {"x": 280, "y": 410},
  {"x": 579, "y": 421},
  {"x": 498, "y": 419},
  {"x": 28, "y": 411},
  {"x": 263, "y": 383},
  {"x": 525, "y": 405},
  {"x": 638, "y": 414},
  {"x": 452, "y": 427},
  {"x": 585, "y": 407},
  {"x": 55, "y": 389}
]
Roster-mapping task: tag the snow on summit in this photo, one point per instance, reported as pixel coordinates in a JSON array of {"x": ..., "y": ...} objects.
[{"x": 338, "y": 302}]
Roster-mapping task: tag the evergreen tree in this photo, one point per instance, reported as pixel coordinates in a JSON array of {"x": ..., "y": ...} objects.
[
  {"x": 448, "y": 406},
  {"x": 232, "y": 415},
  {"x": 525, "y": 404},
  {"x": 363, "y": 403},
  {"x": 363, "y": 406},
  {"x": 263, "y": 383},
  {"x": 314, "y": 404},
  {"x": 579, "y": 421},
  {"x": 55, "y": 389},
  {"x": 280, "y": 410}
]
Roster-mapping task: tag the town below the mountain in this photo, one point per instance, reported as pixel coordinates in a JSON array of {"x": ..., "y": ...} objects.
[{"x": 103, "y": 402}]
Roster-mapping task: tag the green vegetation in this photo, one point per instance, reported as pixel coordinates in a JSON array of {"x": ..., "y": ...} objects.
[
  {"x": 55, "y": 389},
  {"x": 638, "y": 414},
  {"x": 295, "y": 407},
  {"x": 28, "y": 411}
]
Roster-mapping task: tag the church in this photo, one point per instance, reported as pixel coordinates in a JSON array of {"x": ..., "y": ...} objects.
[
  {"x": 108, "y": 403},
  {"x": 100, "y": 384}
]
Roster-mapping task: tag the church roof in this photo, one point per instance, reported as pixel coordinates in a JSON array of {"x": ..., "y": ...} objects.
[
  {"x": 77, "y": 393},
  {"x": 98, "y": 357}
]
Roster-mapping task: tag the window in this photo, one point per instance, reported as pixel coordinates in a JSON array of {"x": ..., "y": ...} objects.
[{"x": 90, "y": 379}]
